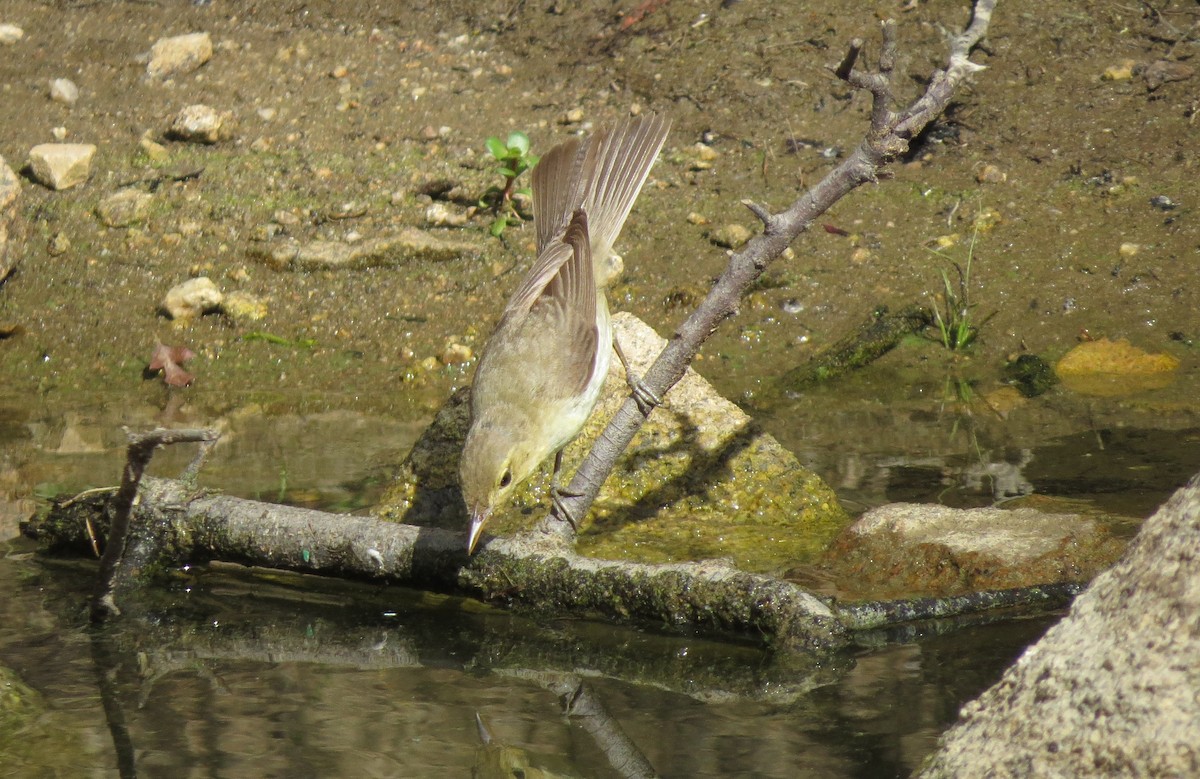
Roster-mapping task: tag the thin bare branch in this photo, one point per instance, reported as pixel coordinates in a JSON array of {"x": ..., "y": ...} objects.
[{"x": 888, "y": 137}]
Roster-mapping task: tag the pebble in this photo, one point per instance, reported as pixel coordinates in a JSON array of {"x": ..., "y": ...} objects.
[
  {"x": 10, "y": 186},
  {"x": 201, "y": 124},
  {"x": 63, "y": 90},
  {"x": 1129, "y": 249},
  {"x": 154, "y": 150},
  {"x": 1164, "y": 72},
  {"x": 192, "y": 298},
  {"x": 61, "y": 165},
  {"x": 1122, "y": 71},
  {"x": 456, "y": 354},
  {"x": 697, "y": 218},
  {"x": 574, "y": 116},
  {"x": 731, "y": 236},
  {"x": 179, "y": 55},
  {"x": 1163, "y": 203},
  {"x": 124, "y": 208},
  {"x": 59, "y": 245},
  {"x": 990, "y": 174},
  {"x": 244, "y": 307},
  {"x": 438, "y": 214},
  {"x": 10, "y": 34}
]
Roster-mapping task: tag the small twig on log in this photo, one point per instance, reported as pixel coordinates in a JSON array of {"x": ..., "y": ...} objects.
[
  {"x": 886, "y": 139},
  {"x": 138, "y": 456}
]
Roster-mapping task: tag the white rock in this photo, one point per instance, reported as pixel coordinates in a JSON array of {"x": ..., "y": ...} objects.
[
  {"x": 10, "y": 186},
  {"x": 179, "y": 55},
  {"x": 201, "y": 124},
  {"x": 124, "y": 208},
  {"x": 192, "y": 298},
  {"x": 10, "y": 34},
  {"x": 63, "y": 90},
  {"x": 61, "y": 165}
]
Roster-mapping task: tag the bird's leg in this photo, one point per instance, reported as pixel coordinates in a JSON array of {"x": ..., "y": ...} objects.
[
  {"x": 647, "y": 400},
  {"x": 558, "y": 492}
]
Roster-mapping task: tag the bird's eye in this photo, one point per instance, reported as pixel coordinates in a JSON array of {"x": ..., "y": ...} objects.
[{"x": 506, "y": 478}]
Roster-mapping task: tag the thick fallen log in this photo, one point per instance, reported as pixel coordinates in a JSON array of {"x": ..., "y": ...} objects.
[{"x": 531, "y": 572}]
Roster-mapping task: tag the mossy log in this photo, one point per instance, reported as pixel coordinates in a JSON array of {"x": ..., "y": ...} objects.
[{"x": 533, "y": 572}]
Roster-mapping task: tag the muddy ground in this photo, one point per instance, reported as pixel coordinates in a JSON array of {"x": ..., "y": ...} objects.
[{"x": 347, "y": 114}]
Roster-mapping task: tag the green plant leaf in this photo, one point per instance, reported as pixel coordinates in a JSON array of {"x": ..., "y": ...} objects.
[
  {"x": 509, "y": 172},
  {"x": 496, "y": 147},
  {"x": 498, "y": 225},
  {"x": 519, "y": 141}
]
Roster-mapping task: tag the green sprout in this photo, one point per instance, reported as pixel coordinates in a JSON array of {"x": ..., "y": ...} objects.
[
  {"x": 514, "y": 159},
  {"x": 956, "y": 329}
]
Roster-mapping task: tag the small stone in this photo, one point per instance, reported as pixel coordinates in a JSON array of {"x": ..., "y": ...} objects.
[
  {"x": 61, "y": 165},
  {"x": 456, "y": 354},
  {"x": 731, "y": 236},
  {"x": 574, "y": 116},
  {"x": 1122, "y": 71},
  {"x": 201, "y": 124},
  {"x": 154, "y": 150},
  {"x": 860, "y": 255},
  {"x": 244, "y": 307},
  {"x": 267, "y": 114},
  {"x": 124, "y": 208},
  {"x": 59, "y": 133},
  {"x": 10, "y": 34},
  {"x": 429, "y": 133},
  {"x": 192, "y": 298},
  {"x": 340, "y": 71},
  {"x": 1163, "y": 203},
  {"x": 697, "y": 219},
  {"x": 63, "y": 90},
  {"x": 10, "y": 187},
  {"x": 59, "y": 245},
  {"x": 1129, "y": 249},
  {"x": 438, "y": 214},
  {"x": 705, "y": 153},
  {"x": 990, "y": 174},
  {"x": 1164, "y": 72},
  {"x": 179, "y": 55}
]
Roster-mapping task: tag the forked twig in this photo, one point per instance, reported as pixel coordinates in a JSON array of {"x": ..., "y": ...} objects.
[{"x": 887, "y": 138}]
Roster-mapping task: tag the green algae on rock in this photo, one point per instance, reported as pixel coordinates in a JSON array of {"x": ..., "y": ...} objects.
[{"x": 700, "y": 481}]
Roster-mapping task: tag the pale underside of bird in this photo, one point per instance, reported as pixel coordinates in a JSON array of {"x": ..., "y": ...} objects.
[{"x": 541, "y": 372}]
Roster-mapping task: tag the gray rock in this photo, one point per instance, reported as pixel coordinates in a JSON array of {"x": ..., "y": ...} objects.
[
  {"x": 124, "y": 208},
  {"x": 10, "y": 186},
  {"x": 179, "y": 55},
  {"x": 63, "y": 90},
  {"x": 61, "y": 165},
  {"x": 905, "y": 549},
  {"x": 1112, "y": 690},
  {"x": 192, "y": 298},
  {"x": 201, "y": 124}
]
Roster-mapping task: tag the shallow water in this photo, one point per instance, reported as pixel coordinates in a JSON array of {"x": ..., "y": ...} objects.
[{"x": 232, "y": 675}]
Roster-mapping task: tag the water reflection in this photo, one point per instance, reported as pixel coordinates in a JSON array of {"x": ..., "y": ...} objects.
[{"x": 227, "y": 674}]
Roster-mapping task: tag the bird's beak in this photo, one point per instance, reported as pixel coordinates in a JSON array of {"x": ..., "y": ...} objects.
[{"x": 478, "y": 518}]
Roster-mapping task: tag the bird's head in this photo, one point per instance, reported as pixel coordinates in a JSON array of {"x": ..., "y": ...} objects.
[{"x": 494, "y": 463}]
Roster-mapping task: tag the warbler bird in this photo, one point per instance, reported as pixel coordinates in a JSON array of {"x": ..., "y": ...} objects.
[{"x": 540, "y": 375}]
